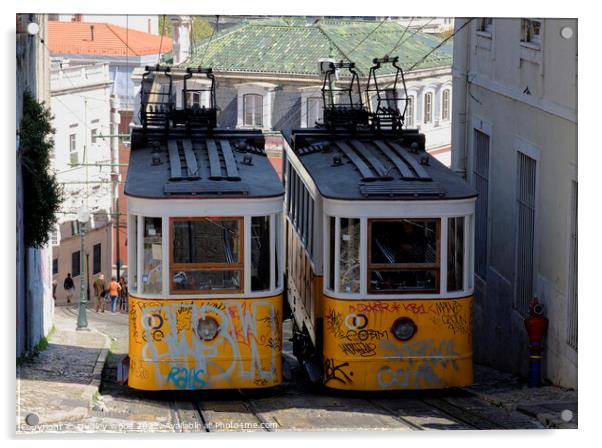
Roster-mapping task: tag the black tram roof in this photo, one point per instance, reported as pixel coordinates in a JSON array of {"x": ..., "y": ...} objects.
[
  {"x": 211, "y": 164},
  {"x": 375, "y": 165}
]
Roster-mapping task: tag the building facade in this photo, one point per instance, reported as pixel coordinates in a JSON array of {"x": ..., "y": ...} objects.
[
  {"x": 268, "y": 78},
  {"x": 123, "y": 43},
  {"x": 80, "y": 98},
  {"x": 35, "y": 308},
  {"x": 515, "y": 139}
]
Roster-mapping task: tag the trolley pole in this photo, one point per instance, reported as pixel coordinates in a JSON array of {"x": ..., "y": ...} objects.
[{"x": 114, "y": 146}]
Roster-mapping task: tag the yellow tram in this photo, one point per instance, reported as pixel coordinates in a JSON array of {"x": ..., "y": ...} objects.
[
  {"x": 379, "y": 241},
  {"x": 205, "y": 244}
]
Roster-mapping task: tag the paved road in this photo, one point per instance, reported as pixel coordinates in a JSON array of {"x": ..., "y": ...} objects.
[{"x": 296, "y": 405}]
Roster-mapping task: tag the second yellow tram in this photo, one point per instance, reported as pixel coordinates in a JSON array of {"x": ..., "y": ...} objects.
[{"x": 379, "y": 240}]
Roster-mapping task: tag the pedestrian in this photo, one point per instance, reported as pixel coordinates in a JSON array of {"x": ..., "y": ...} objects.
[
  {"x": 69, "y": 287},
  {"x": 123, "y": 305},
  {"x": 114, "y": 289},
  {"x": 99, "y": 293}
]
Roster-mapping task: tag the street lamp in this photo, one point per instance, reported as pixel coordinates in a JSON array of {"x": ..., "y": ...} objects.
[{"x": 83, "y": 215}]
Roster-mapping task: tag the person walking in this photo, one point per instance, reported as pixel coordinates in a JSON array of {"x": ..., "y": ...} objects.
[
  {"x": 123, "y": 303},
  {"x": 114, "y": 289},
  {"x": 69, "y": 287},
  {"x": 99, "y": 293}
]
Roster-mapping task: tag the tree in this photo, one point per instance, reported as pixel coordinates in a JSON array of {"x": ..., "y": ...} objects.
[
  {"x": 201, "y": 28},
  {"x": 42, "y": 195}
]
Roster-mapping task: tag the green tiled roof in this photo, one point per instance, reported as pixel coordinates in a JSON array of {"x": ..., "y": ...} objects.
[{"x": 290, "y": 46}]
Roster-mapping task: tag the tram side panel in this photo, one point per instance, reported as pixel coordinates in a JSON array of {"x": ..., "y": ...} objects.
[{"x": 304, "y": 286}]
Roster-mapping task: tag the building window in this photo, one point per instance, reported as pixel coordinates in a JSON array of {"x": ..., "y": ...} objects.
[
  {"x": 314, "y": 111},
  {"x": 206, "y": 255},
  {"x": 75, "y": 228},
  {"x": 531, "y": 31},
  {"x": 485, "y": 25},
  {"x": 73, "y": 156},
  {"x": 55, "y": 266},
  {"x": 253, "y": 110},
  {"x": 93, "y": 135},
  {"x": 428, "y": 107},
  {"x": 403, "y": 255},
  {"x": 445, "y": 105},
  {"x": 481, "y": 184},
  {"x": 525, "y": 227},
  {"x": 96, "y": 259},
  {"x": 152, "y": 256},
  {"x": 75, "y": 262},
  {"x": 409, "y": 114}
]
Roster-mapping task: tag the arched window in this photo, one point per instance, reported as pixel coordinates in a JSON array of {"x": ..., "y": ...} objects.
[
  {"x": 253, "y": 110},
  {"x": 445, "y": 105},
  {"x": 428, "y": 107},
  {"x": 409, "y": 116}
]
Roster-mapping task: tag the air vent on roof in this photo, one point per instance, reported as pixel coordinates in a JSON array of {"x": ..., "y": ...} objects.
[{"x": 401, "y": 188}]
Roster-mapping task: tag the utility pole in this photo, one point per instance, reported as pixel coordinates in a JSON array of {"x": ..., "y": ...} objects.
[{"x": 114, "y": 139}]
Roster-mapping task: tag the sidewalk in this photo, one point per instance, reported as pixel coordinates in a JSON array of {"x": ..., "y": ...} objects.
[
  {"x": 58, "y": 386},
  {"x": 553, "y": 406}
]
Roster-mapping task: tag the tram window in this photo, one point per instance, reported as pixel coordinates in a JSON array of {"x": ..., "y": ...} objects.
[
  {"x": 400, "y": 281},
  {"x": 404, "y": 255},
  {"x": 206, "y": 255},
  {"x": 349, "y": 267},
  {"x": 206, "y": 240},
  {"x": 191, "y": 280},
  {"x": 260, "y": 253},
  {"x": 331, "y": 253},
  {"x": 153, "y": 249},
  {"x": 133, "y": 253},
  {"x": 455, "y": 254},
  {"x": 278, "y": 221}
]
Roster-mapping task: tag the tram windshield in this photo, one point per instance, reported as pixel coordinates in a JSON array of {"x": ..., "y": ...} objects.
[
  {"x": 404, "y": 255},
  {"x": 206, "y": 255}
]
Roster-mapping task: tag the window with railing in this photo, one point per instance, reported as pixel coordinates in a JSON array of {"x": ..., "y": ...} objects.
[
  {"x": 428, "y": 108},
  {"x": 403, "y": 255},
  {"x": 73, "y": 156},
  {"x": 445, "y": 105},
  {"x": 253, "y": 110},
  {"x": 409, "y": 116},
  {"x": 206, "y": 255}
]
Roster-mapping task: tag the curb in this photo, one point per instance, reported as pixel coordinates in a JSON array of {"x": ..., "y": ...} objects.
[
  {"x": 550, "y": 420},
  {"x": 94, "y": 385}
]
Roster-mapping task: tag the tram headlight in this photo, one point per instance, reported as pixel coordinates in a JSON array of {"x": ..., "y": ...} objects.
[
  {"x": 207, "y": 328},
  {"x": 404, "y": 328}
]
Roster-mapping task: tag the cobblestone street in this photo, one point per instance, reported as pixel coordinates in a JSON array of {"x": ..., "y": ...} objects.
[{"x": 495, "y": 401}]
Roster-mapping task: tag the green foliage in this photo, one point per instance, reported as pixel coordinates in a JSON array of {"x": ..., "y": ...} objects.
[
  {"x": 42, "y": 195},
  {"x": 201, "y": 28}
]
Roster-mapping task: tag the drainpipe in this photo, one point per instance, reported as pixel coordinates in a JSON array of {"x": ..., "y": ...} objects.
[
  {"x": 114, "y": 145},
  {"x": 459, "y": 155}
]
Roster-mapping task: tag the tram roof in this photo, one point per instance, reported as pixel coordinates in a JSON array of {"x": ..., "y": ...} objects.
[
  {"x": 220, "y": 164},
  {"x": 370, "y": 165}
]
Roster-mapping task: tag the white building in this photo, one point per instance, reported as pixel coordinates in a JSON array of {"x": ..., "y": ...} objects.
[
  {"x": 146, "y": 24},
  {"x": 515, "y": 138},
  {"x": 80, "y": 103}
]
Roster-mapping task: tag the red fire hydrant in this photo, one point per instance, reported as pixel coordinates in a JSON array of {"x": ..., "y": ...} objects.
[{"x": 536, "y": 325}]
